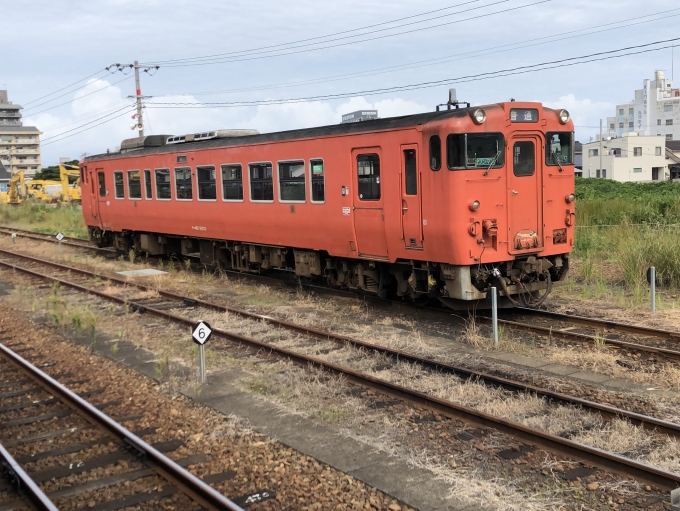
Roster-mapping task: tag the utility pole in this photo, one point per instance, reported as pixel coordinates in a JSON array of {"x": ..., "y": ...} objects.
[
  {"x": 139, "y": 124},
  {"x": 600, "y": 147}
]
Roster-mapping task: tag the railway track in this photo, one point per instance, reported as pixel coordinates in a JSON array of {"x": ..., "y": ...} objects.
[
  {"x": 174, "y": 308},
  {"x": 601, "y": 327},
  {"x": 37, "y": 411}
]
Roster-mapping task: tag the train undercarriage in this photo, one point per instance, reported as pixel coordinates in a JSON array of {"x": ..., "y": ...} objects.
[{"x": 525, "y": 281}]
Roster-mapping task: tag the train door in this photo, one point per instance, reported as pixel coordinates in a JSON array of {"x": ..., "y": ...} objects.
[
  {"x": 411, "y": 204},
  {"x": 368, "y": 200},
  {"x": 525, "y": 192},
  {"x": 103, "y": 199}
]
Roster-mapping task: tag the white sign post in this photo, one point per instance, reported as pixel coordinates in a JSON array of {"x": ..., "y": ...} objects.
[
  {"x": 201, "y": 334},
  {"x": 59, "y": 237}
]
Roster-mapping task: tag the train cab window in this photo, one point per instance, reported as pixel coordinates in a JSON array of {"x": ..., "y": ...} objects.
[
  {"x": 102, "y": 184},
  {"x": 183, "y": 184},
  {"x": 261, "y": 182},
  {"x": 410, "y": 172},
  {"x": 435, "y": 152},
  {"x": 163, "y": 184},
  {"x": 232, "y": 183},
  {"x": 134, "y": 184},
  {"x": 316, "y": 169},
  {"x": 474, "y": 150},
  {"x": 559, "y": 148},
  {"x": 147, "y": 183},
  {"x": 118, "y": 184},
  {"x": 524, "y": 163},
  {"x": 292, "y": 181},
  {"x": 368, "y": 170},
  {"x": 207, "y": 182}
]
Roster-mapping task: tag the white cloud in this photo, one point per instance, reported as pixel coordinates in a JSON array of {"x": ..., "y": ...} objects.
[{"x": 585, "y": 113}]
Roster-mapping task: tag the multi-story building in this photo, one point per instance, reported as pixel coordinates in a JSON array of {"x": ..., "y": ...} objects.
[
  {"x": 19, "y": 144},
  {"x": 654, "y": 111},
  {"x": 627, "y": 158}
]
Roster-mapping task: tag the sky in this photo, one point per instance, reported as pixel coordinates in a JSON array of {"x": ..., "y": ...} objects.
[{"x": 214, "y": 56}]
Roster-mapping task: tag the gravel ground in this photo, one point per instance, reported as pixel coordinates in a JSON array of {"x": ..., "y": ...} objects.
[{"x": 258, "y": 463}]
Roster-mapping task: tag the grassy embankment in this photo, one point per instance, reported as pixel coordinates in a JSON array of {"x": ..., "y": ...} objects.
[
  {"x": 43, "y": 218},
  {"x": 623, "y": 229}
]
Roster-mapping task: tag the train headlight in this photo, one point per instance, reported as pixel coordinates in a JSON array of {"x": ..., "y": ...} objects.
[
  {"x": 479, "y": 116},
  {"x": 570, "y": 198},
  {"x": 563, "y": 116},
  {"x": 473, "y": 205}
]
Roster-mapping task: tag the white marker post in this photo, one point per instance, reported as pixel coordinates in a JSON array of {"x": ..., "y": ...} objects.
[
  {"x": 494, "y": 315},
  {"x": 651, "y": 278},
  {"x": 59, "y": 237},
  {"x": 201, "y": 334}
]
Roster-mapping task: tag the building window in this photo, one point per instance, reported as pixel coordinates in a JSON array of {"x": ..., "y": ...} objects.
[
  {"x": 292, "y": 181},
  {"x": 597, "y": 173},
  {"x": 668, "y": 108},
  {"x": 637, "y": 151},
  {"x": 435, "y": 152},
  {"x": 612, "y": 126},
  {"x": 163, "y": 184},
  {"x": 261, "y": 182},
  {"x": 669, "y": 137},
  {"x": 604, "y": 173},
  {"x": 655, "y": 173},
  {"x": 657, "y": 151},
  {"x": 134, "y": 184},
  {"x": 631, "y": 125},
  {"x": 119, "y": 185},
  {"x": 593, "y": 152},
  {"x": 183, "y": 184},
  {"x": 318, "y": 184},
  {"x": 232, "y": 183},
  {"x": 368, "y": 172},
  {"x": 621, "y": 125},
  {"x": 658, "y": 122},
  {"x": 620, "y": 111},
  {"x": 147, "y": 183},
  {"x": 631, "y": 111},
  {"x": 669, "y": 122},
  {"x": 207, "y": 183}
]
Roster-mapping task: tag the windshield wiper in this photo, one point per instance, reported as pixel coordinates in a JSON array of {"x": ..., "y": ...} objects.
[
  {"x": 493, "y": 162},
  {"x": 557, "y": 160}
]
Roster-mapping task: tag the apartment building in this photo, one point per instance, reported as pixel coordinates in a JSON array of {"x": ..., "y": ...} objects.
[
  {"x": 19, "y": 144},
  {"x": 627, "y": 158},
  {"x": 655, "y": 111}
]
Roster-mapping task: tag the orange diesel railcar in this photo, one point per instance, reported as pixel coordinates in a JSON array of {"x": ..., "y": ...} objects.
[{"x": 442, "y": 204}]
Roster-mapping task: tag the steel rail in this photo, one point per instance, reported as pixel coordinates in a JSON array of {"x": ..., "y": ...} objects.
[
  {"x": 26, "y": 485},
  {"x": 553, "y": 443},
  {"x": 607, "y": 411},
  {"x": 191, "y": 485},
  {"x": 67, "y": 241}
]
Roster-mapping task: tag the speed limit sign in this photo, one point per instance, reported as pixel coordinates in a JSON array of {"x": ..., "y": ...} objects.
[{"x": 201, "y": 332}]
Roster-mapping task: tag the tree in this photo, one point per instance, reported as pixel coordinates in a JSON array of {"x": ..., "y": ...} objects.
[{"x": 51, "y": 173}]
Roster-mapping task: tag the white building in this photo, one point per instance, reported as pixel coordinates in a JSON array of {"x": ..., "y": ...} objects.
[
  {"x": 19, "y": 144},
  {"x": 655, "y": 111},
  {"x": 627, "y": 158}
]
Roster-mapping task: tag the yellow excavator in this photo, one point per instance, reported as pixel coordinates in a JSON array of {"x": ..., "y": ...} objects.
[
  {"x": 16, "y": 192},
  {"x": 39, "y": 189},
  {"x": 69, "y": 194}
]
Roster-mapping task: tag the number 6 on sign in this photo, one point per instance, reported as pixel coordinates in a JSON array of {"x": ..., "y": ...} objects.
[{"x": 201, "y": 332}]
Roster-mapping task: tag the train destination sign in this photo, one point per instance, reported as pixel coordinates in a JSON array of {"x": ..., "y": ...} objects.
[{"x": 524, "y": 115}]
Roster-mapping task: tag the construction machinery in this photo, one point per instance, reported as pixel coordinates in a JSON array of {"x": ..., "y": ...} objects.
[
  {"x": 40, "y": 189},
  {"x": 16, "y": 192},
  {"x": 68, "y": 193}
]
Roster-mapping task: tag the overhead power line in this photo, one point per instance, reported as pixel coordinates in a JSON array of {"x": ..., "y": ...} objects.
[
  {"x": 75, "y": 131},
  {"x": 571, "y": 61},
  {"x": 429, "y": 27},
  {"x": 64, "y": 88}
]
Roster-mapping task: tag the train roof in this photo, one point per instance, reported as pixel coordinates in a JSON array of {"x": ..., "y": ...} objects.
[{"x": 388, "y": 123}]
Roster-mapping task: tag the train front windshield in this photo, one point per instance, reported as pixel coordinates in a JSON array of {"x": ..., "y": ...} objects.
[{"x": 474, "y": 150}]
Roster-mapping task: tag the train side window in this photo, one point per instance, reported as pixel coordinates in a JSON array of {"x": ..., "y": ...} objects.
[
  {"x": 163, "y": 184},
  {"x": 410, "y": 172},
  {"x": 524, "y": 159},
  {"x": 183, "y": 184},
  {"x": 207, "y": 183},
  {"x": 232, "y": 183},
  {"x": 147, "y": 183},
  {"x": 455, "y": 151},
  {"x": 292, "y": 181},
  {"x": 316, "y": 168},
  {"x": 261, "y": 182},
  {"x": 435, "y": 152},
  {"x": 102, "y": 184},
  {"x": 559, "y": 148},
  {"x": 368, "y": 170},
  {"x": 118, "y": 184},
  {"x": 134, "y": 184}
]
